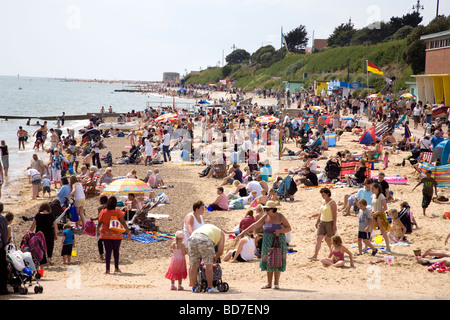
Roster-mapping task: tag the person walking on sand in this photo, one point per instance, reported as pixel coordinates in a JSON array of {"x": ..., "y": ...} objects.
[
  {"x": 427, "y": 192},
  {"x": 111, "y": 238},
  {"x": 5, "y": 157},
  {"x": 379, "y": 208},
  {"x": 326, "y": 223}
]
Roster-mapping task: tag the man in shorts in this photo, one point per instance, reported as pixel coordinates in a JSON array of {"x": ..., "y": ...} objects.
[
  {"x": 201, "y": 244},
  {"x": 427, "y": 192}
]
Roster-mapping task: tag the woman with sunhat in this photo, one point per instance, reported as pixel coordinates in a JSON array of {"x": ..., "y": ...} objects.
[{"x": 275, "y": 226}]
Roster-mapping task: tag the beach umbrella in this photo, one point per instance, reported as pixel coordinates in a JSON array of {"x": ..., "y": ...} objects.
[
  {"x": 266, "y": 119},
  {"x": 126, "y": 186},
  {"x": 167, "y": 117},
  {"x": 408, "y": 95}
]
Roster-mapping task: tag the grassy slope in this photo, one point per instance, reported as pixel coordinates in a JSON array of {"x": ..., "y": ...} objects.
[{"x": 330, "y": 64}]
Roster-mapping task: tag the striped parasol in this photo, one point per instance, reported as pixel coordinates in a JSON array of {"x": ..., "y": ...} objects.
[
  {"x": 167, "y": 117},
  {"x": 266, "y": 119},
  {"x": 127, "y": 186}
]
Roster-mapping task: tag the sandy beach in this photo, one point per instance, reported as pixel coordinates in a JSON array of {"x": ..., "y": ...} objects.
[{"x": 144, "y": 265}]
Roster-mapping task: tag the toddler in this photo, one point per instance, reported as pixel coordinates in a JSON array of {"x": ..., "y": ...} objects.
[
  {"x": 177, "y": 269},
  {"x": 364, "y": 222},
  {"x": 68, "y": 243},
  {"x": 46, "y": 185}
]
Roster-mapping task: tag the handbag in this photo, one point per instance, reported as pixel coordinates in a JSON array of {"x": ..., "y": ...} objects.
[
  {"x": 115, "y": 225},
  {"x": 275, "y": 256}
]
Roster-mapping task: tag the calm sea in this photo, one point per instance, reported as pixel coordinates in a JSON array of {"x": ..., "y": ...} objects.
[{"x": 34, "y": 97}]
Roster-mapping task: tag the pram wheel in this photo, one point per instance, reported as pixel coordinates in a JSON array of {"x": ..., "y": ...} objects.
[
  {"x": 223, "y": 287},
  {"x": 38, "y": 289},
  {"x": 23, "y": 290}
]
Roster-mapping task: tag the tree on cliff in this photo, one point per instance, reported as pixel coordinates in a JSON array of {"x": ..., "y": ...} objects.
[{"x": 237, "y": 56}]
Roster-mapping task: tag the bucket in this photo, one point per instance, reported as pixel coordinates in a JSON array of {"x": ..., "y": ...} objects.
[
  {"x": 41, "y": 272},
  {"x": 286, "y": 170},
  {"x": 74, "y": 253},
  {"x": 389, "y": 259}
]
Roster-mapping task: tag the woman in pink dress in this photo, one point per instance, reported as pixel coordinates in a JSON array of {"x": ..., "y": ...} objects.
[{"x": 177, "y": 268}]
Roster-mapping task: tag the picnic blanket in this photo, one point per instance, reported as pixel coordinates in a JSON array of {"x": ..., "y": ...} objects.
[{"x": 151, "y": 236}]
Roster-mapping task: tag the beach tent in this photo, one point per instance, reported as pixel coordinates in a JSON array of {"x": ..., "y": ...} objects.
[
  {"x": 182, "y": 90},
  {"x": 441, "y": 173},
  {"x": 331, "y": 138},
  {"x": 368, "y": 136},
  {"x": 442, "y": 151}
]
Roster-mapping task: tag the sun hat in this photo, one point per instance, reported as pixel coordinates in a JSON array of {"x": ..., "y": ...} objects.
[
  {"x": 270, "y": 205},
  {"x": 179, "y": 234}
]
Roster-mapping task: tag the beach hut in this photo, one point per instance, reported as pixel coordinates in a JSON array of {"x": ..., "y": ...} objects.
[
  {"x": 442, "y": 151},
  {"x": 368, "y": 136}
]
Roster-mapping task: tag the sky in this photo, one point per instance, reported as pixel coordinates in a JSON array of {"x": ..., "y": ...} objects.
[{"x": 141, "y": 39}]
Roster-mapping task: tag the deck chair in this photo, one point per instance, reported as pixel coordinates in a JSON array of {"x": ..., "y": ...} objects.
[
  {"x": 90, "y": 187},
  {"x": 221, "y": 171}
]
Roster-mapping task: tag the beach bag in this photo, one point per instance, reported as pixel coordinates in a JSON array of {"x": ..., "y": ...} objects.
[
  {"x": 74, "y": 214},
  {"x": 115, "y": 225},
  {"x": 238, "y": 204},
  {"x": 90, "y": 228},
  {"x": 275, "y": 256}
]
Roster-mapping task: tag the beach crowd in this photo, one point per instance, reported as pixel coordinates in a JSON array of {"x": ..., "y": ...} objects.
[{"x": 241, "y": 146}]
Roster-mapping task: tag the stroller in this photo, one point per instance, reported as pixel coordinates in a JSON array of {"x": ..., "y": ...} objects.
[
  {"x": 333, "y": 170},
  {"x": 133, "y": 156},
  {"x": 287, "y": 188},
  {"x": 141, "y": 219},
  {"x": 64, "y": 216},
  {"x": 22, "y": 270},
  {"x": 202, "y": 283}
]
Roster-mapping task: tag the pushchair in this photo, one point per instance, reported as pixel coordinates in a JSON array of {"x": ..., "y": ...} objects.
[
  {"x": 21, "y": 270},
  {"x": 202, "y": 283},
  {"x": 333, "y": 170},
  {"x": 133, "y": 156},
  {"x": 141, "y": 218},
  {"x": 64, "y": 216},
  {"x": 287, "y": 188}
]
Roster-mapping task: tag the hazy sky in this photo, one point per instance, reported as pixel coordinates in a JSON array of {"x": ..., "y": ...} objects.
[{"x": 137, "y": 39}]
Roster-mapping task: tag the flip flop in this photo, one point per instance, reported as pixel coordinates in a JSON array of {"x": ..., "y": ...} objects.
[{"x": 266, "y": 286}]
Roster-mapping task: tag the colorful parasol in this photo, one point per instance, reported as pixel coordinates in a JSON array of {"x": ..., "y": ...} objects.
[
  {"x": 167, "y": 117},
  {"x": 127, "y": 186},
  {"x": 266, "y": 119},
  {"x": 408, "y": 95}
]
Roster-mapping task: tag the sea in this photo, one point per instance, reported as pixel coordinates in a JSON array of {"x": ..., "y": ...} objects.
[{"x": 35, "y": 97}]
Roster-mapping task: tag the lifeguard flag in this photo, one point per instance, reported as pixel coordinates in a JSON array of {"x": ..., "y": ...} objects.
[{"x": 374, "y": 69}]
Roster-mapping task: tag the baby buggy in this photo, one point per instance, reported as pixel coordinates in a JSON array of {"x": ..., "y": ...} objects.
[
  {"x": 202, "y": 283},
  {"x": 64, "y": 216},
  {"x": 287, "y": 189},
  {"x": 21, "y": 270}
]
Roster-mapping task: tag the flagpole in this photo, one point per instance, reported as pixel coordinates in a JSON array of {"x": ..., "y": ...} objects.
[{"x": 367, "y": 71}]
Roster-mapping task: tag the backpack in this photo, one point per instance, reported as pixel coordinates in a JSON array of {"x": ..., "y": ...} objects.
[
  {"x": 333, "y": 170},
  {"x": 90, "y": 228}
]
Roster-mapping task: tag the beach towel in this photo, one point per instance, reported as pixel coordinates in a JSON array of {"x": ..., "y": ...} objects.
[{"x": 152, "y": 237}]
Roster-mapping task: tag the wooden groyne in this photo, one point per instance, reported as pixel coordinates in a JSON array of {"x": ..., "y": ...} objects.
[{"x": 67, "y": 117}]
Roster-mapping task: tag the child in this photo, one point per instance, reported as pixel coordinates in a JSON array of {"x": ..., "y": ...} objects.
[
  {"x": 159, "y": 180},
  {"x": 398, "y": 230},
  {"x": 88, "y": 159},
  {"x": 68, "y": 243},
  {"x": 103, "y": 201},
  {"x": 405, "y": 206},
  {"x": 338, "y": 251},
  {"x": 132, "y": 138},
  {"x": 10, "y": 217},
  {"x": 429, "y": 184},
  {"x": 386, "y": 160},
  {"x": 364, "y": 223},
  {"x": 274, "y": 197},
  {"x": 46, "y": 185},
  {"x": 262, "y": 199},
  {"x": 177, "y": 269}
]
